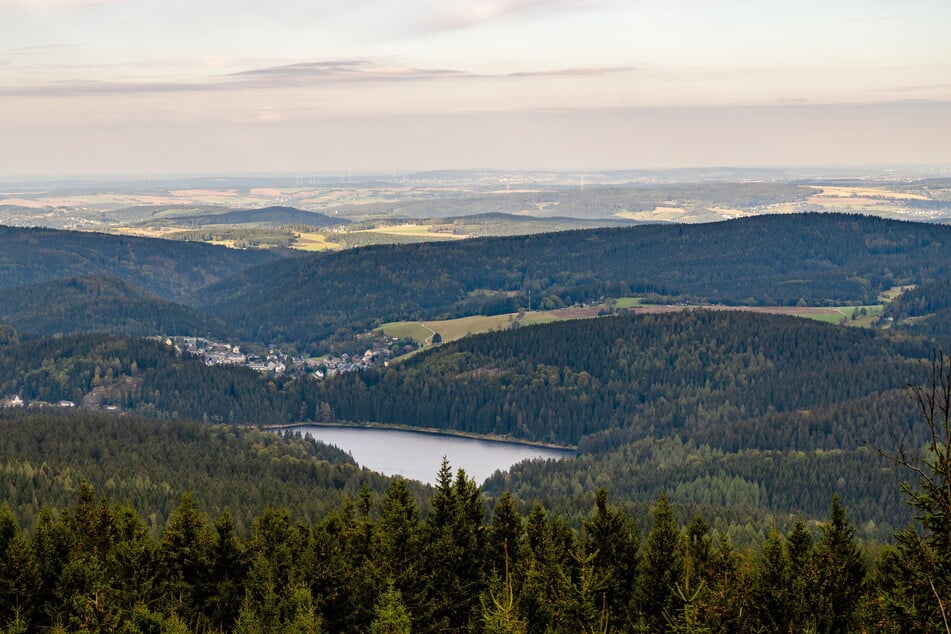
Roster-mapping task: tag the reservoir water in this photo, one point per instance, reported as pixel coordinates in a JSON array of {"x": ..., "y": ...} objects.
[{"x": 418, "y": 455}]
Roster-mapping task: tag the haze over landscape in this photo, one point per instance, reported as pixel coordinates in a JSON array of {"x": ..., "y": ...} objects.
[{"x": 139, "y": 88}]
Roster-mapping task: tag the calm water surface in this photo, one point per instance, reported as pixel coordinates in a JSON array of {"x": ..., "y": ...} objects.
[{"x": 418, "y": 456}]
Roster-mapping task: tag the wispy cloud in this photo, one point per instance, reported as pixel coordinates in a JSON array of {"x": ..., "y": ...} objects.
[
  {"x": 302, "y": 74},
  {"x": 346, "y": 70}
]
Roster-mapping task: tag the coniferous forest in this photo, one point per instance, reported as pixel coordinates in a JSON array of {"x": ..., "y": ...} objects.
[{"x": 377, "y": 563}]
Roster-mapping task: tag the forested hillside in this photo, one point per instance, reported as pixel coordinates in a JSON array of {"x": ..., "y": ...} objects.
[
  {"x": 167, "y": 268},
  {"x": 745, "y": 393},
  {"x": 811, "y": 258},
  {"x": 652, "y": 375},
  {"x": 732, "y": 410},
  {"x": 100, "y": 303}
]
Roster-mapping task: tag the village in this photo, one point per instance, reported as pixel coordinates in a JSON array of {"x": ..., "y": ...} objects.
[{"x": 276, "y": 361}]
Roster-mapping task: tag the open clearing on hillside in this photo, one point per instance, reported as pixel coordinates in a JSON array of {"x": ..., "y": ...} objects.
[
  {"x": 450, "y": 329},
  {"x": 894, "y": 292},
  {"x": 453, "y": 329}
]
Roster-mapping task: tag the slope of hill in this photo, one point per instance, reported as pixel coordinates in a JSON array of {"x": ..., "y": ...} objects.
[
  {"x": 167, "y": 268},
  {"x": 652, "y": 375},
  {"x": 924, "y": 310},
  {"x": 100, "y": 303},
  {"x": 920, "y": 301},
  {"x": 812, "y": 258}
]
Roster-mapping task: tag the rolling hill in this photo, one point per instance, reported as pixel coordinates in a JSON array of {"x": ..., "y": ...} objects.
[
  {"x": 812, "y": 259},
  {"x": 166, "y": 268}
]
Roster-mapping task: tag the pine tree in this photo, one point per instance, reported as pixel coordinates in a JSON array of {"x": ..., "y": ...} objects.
[
  {"x": 397, "y": 544},
  {"x": 923, "y": 596},
  {"x": 19, "y": 574},
  {"x": 455, "y": 550},
  {"x": 840, "y": 573},
  {"x": 801, "y": 573},
  {"x": 389, "y": 614},
  {"x": 613, "y": 544},
  {"x": 661, "y": 567},
  {"x": 771, "y": 586},
  {"x": 185, "y": 554}
]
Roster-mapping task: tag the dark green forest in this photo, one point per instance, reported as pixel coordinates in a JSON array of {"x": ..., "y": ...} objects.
[
  {"x": 733, "y": 410},
  {"x": 652, "y": 374},
  {"x": 816, "y": 259}
]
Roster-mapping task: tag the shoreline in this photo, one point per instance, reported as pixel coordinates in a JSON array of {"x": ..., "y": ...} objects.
[{"x": 426, "y": 430}]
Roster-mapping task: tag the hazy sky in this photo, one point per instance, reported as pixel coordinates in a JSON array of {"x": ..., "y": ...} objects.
[{"x": 143, "y": 87}]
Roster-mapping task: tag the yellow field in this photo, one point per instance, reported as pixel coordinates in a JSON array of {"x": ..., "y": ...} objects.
[
  {"x": 865, "y": 192},
  {"x": 419, "y": 231},
  {"x": 145, "y": 232},
  {"x": 657, "y": 213},
  {"x": 729, "y": 213},
  {"x": 314, "y": 242}
]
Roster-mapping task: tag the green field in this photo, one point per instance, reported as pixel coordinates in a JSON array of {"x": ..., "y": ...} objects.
[
  {"x": 628, "y": 302},
  {"x": 449, "y": 330},
  {"x": 541, "y": 317},
  {"x": 403, "y": 329}
]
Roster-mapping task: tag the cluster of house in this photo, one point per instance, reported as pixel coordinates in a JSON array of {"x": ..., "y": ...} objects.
[
  {"x": 221, "y": 353},
  {"x": 328, "y": 366},
  {"x": 276, "y": 361}
]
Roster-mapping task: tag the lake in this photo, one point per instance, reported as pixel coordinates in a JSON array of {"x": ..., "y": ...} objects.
[{"x": 418, "y": 455}]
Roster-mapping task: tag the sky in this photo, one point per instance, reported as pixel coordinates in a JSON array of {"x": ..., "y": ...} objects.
[{"x": 160, "y": 87}]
